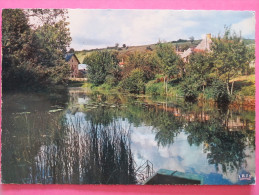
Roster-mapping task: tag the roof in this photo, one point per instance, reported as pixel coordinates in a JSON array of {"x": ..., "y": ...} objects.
[
  {"x": 165, "y": 176},
  {"x": 68, "y": 56},
  {"x": 204, "y": 45},
  {"x": 186, "y": 53}
]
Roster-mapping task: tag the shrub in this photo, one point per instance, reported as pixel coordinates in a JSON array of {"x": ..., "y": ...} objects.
[
  {"x": 189, "y": 88},
  {"x": 218, "y": 92},
  {"x": 100, "y": 64},
  {"x": 134, "y": 83},
  {"x": 111, "y": 80},
  {"x": 104, "y": 86},
  {"x": 155, "y": 88}
]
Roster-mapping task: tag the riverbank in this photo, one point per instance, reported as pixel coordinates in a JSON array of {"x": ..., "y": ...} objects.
[{"x": 244, "y": 90}]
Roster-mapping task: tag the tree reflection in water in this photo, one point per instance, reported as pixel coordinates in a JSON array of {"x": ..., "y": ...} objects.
[
  {"x": 87, "y": 153},
  {"x": 88, "y": 144}
]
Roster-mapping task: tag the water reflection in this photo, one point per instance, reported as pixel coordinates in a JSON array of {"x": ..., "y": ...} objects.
[
  {"x": 102, "y": 139},
  {"x": 86, "y": 154}
]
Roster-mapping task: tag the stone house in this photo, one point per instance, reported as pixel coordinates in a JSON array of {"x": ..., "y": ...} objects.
[
  {"x": 203, "y": 46},
  {"x": 73, "y": 62}
]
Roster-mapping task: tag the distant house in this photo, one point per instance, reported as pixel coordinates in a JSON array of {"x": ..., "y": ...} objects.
[
  {"x": 73, "y": 61},
  {"x": 203, "y": 46},
  {"x": 121, "y": 63},
  {"x": 186, "y": 54},
  {"x": 82, "y": 70}
]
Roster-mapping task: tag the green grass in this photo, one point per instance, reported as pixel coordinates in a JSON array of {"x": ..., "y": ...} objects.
[
  {"x": 81, "y": 55},
  {"x": 157, "y": 88},
  {"x": 244, "y": 85},
  {"x": 87, "y": 85},
  {"x": 76, "y": 83}
]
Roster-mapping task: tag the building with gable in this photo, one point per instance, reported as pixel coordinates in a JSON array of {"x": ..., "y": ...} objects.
[
  {"x": 203, "y": 46},
  {"x": 73, "y": 62}
]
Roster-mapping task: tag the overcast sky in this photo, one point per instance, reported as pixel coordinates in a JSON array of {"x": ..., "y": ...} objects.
[{"x": 101, "y": 28}]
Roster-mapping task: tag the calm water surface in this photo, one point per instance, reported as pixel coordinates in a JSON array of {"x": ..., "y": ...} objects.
[{"x": 91, "y": 138}]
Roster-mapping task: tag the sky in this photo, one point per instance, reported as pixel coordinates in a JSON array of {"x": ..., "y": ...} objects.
[{"x": 92, "y": 29}]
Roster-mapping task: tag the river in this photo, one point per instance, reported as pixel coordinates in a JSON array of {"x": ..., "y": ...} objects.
[{"x": 82, "y": 137}]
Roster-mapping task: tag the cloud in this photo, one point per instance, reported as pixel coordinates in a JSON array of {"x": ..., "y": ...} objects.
[
  {"x": 102, "y": 28},
  {"x": 246, "y": 27}
]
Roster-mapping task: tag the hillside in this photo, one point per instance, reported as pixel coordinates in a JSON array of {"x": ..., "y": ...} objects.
[{"x": 180, "y": 44}]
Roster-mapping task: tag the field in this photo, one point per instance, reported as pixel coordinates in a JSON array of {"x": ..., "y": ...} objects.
[
  {"x": 131, "y": 49},
  {"x": 184, "y": 44}
]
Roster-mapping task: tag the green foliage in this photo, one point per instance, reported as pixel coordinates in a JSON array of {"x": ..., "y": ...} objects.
[
  {"x": 245, "y": 86},
  {"x": 100, "y": 65},
  {"x": 170, "y": 63},
  {"x": 157, "y": 88},
  {"x": 218, "y": 92},
  {"x": 148, "y": 62},
  {"x": 154, "y": 88},
  {"x": 169, "y": 60},
  {"x": 134, "y": 83},
  {"x": 200, "y": 67},
  {"x": 51, "y": 42},
  {"x": 190, "y": 88},
  {"x": 33, "y": 56},
  {"x": 247, "y": 91},
  {"x": 111, "y": 80},
  {"x": 230, "y": 57},
  {"x": 15, "y": 34},
  {"x": 251, "y": 60}
]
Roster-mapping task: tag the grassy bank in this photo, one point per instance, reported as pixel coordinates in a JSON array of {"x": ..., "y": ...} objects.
[
  {"x": 244, "y": 89},
  {"x": 245, "y": 86}
]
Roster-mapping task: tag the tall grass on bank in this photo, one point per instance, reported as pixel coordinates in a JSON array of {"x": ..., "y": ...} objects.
[{"x": 157, "y": 88}]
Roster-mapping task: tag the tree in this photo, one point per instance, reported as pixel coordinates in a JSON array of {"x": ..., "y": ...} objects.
[
  {"x": 169, "y": 61},
  {"x": 191, "y": 39},
  {"x": 148, "y": 62},
  {"x": 71, "y": 50},
  {"x": 250, "y": 58},
  {"x": 33, "y": 55},
  {"x": 46, "y": 16},
  {"x": 230, "y": 57},
  {"x": 101, "y": 63},
  {"x": 15, "y": 38},
  {"x": 149, "y": 48},
  {"x": 124, "y": 45},
  {"x": 134, "y": 82},
  {"x": 200, "y": 67},
  {"x": 52, "y": 42}
]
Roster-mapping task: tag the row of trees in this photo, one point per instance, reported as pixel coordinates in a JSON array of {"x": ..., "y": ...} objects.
[
  {"x": 34, "y": 44},
  {"x": 212, "y": 72},
  {"x": 204, "y": 71}
]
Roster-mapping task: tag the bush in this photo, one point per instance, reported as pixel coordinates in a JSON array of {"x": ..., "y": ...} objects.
[
  {"x": 111, "y": 80},
  {"x": 189, "y": 88},
  {"x": 104, "y": 86},
  {"x": 100, "y": 65},
  {"x": 134, "y": 83},
  {"x": 155, "y": 88},
  {"x": 218, "y": 92}
]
